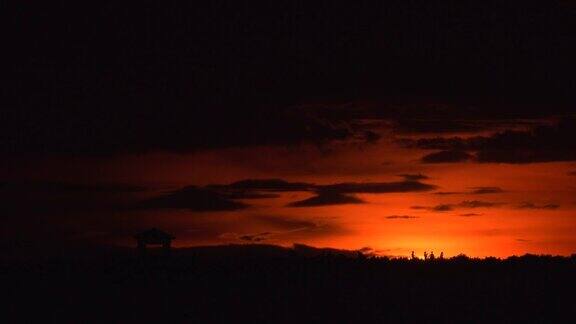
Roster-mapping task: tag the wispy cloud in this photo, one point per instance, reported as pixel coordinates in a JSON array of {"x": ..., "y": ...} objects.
[
  {"x": 486, "y": 190},
  {"x": 326, "y": 198},
  {"x": 401, "y": 217},
  {"x": 530, "y": 205},
  {"x": 414, "y": 177},
  {"x": 463, "y": 204}
]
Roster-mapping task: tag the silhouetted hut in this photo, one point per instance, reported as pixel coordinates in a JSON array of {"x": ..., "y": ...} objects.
[{"x": 154, "y": 236}]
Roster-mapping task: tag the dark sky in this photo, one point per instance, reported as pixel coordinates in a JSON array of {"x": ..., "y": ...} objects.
[{"x": 109, "y": 76}]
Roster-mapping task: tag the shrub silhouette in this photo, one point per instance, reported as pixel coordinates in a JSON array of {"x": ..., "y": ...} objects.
[{"x": 274, "y": 284}]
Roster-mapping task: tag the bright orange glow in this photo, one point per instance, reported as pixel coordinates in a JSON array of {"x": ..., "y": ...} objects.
[{"x": 500, "y": 230}]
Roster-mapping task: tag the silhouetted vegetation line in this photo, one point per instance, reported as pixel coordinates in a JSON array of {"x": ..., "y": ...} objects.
[{"x": 269, "y": 284}]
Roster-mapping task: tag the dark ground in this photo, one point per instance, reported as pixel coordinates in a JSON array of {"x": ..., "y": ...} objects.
[{"x": 252, "y": 284}]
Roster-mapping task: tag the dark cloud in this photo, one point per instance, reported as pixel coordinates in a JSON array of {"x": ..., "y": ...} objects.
[
  {"x": 463, "y": 118},
  {"x": 222, "y": 197},
  {"x": 437, "y": 208},
  {"x": 486, "y": 190},
  {"x": 243, "y": 194},
  {"x": 258, "y": 188},
  {"x": 470, "y": 215},
  {"x": 328, "y": 194},
  {"x": 378, "y": 187},
  {"x": 445, "y": 143},
  {"x": 466, "y": 120},
  {"x": 478, "y": 204},
  {"x": 463, "y": 204},
  {"x": 529, "y": 205},
  {"x": 414, "y": 177},
  {"x": 340, "y": 193},
  {"x": 452, "y": 123},
  {"x": 434, "y": 126},
  {"x": 572, "y": 173},
  {"x": 195, "y": 199},
  {"x": 401, "y": 217},
  {"x": 544, "y": 143},
  {"x": 326, "y": 198},
  {"x": 452, "y": 156},
  {"x": 428, "y": 117},
  {"x": 443, "y": 208},
  {"x": 473, "y": 191}
]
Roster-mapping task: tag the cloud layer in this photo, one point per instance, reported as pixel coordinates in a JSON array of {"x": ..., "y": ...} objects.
[
  {"x": 326, "y": 198},
  {"x": 462, "y": 204},
  {"x": 223, "y": 197},
  {"x": 545, "y": 143}
]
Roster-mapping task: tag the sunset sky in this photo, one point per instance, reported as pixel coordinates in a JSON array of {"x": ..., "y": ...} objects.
[{"x": 407, "y": 126}]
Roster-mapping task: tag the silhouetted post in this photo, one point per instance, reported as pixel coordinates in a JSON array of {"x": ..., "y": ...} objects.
[
  {"x": 432, "y": 256},
  {"x": 441, "y": 255},
  {"x": 413, "y": 257},
  {"x": 425, "y": 256}
]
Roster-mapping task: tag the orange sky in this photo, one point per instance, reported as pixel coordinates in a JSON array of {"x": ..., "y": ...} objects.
[
  {"x": 386, "y": 222},
  {"x": 500, "y": 231}
]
